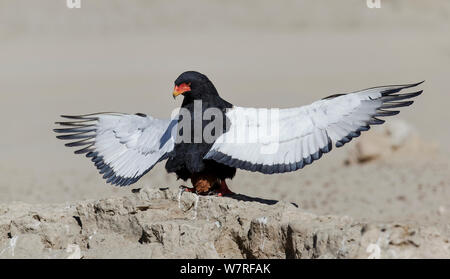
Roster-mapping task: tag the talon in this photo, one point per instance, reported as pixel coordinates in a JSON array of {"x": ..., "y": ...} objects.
[{"x": 224, "y": 190}]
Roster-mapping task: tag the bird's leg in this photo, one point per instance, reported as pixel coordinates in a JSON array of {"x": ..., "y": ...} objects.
[{"x": 223, "y": 189}]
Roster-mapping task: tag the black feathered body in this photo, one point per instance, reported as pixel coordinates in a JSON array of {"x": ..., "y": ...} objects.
[{"x": 186, "y": 158}]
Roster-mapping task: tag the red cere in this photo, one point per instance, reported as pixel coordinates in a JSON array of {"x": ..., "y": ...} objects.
[{"x": 182, "y": 88}]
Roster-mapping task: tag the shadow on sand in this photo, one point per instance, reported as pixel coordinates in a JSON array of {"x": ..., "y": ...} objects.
[{"x": 241, "y": 197}]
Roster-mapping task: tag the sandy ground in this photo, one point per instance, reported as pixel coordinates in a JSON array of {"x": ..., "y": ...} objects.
[{"x": 117, "y": 56}]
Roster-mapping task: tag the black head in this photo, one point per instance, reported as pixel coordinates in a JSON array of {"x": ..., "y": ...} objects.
[
  {"x": 191, "y": 77},
  {"x": 193, "y": 84}
]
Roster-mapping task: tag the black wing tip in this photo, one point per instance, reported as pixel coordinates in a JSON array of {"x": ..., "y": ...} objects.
[
  {"x": 391, "y": 89},
  {"x": 414, "y": 84},
  {"x": 75, "y": 136},
  {"x": 80, "y": 143},
  {"x": 375, "y": 121},
  {"x": 414, "y": 94},
  {"x": 397, "y": 97},
  {"x": 72, "y": 116},
  {"x": 109, "y": 174},
  {"x": 63, "y": 137},
  {"x": 333, "y": 96},
  {"x": 420, "y": 82},
  {"x": 409, "y": 85},
  {"x": 92, "y": 116},
  {"x": 384, "y": 113},
  {"x": 388, "y": 102},
  {"x": 389, "y": 105},
  {"x": 408, "y": 103}
]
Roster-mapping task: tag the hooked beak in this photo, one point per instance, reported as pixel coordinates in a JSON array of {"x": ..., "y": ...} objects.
[{"x": 180, "y": 89}]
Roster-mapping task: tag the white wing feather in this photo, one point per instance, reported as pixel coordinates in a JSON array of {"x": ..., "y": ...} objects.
[
  {"x": 303, "y": 134},
  {"x": 123, "y": 146}
]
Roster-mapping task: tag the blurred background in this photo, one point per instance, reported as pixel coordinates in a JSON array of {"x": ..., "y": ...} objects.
[{"x": 123, "y": 55}]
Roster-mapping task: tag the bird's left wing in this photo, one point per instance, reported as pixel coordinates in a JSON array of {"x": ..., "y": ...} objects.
[
  {"x": 123, "y": 147},
  {"x": 284, "y": 140}
]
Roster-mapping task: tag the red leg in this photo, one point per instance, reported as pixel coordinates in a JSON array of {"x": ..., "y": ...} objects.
[{"x": 224, "y": 190}]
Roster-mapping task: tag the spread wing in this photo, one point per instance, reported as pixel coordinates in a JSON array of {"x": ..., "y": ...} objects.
[
  {"x": 298, "y": 136},
  {"x": 123, "y": 147}
]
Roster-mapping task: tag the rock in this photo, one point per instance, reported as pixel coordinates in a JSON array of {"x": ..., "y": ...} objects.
[
  {"x": 152, "y": 223},
  {"x": 392, "y": 137},
  {"x": 383, "y": 141}
]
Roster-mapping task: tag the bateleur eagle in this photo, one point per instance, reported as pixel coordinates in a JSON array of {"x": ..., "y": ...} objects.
[{"x": 124, "y": 147}]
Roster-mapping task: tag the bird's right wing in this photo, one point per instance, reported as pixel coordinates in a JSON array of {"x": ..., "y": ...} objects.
[
  {"x": 123, "y": 147},
  {"x": 257, "y": 141}
]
